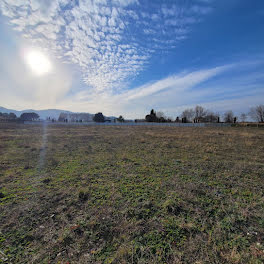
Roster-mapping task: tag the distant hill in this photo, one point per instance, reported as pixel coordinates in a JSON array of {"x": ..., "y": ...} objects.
[{"x": 52, "y": 113}]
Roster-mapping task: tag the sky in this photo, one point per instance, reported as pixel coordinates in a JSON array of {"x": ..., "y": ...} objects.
[{"x": 129, "y": 56}]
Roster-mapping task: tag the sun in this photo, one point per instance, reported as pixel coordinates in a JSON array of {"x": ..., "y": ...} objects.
[{"x": 38, "y": 62}]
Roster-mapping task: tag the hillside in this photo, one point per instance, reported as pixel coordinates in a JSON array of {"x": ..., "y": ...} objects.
[
  {"x": 52, "y": 113},
  {"x": 45, "y": 113}
]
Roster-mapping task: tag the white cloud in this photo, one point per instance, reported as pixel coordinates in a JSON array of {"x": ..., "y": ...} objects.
[
  {"x": 200, "y": 9},
  {"x": 90, "y": 33},
  {"x": 178, "y": 83},
  {"x": 110, "y": 42},
  {"x": 171, "y": 91},
  {"x": 124, "y": 2}
]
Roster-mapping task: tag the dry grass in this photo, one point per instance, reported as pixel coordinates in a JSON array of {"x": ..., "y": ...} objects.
[{"x": 131, "y": 194}]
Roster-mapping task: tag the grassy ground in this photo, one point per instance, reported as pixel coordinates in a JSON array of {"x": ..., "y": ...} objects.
[{"x": 77, "y": 194}]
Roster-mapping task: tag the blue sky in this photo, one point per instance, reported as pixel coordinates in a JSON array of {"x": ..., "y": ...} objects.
[{"x": 128, "y": 56}]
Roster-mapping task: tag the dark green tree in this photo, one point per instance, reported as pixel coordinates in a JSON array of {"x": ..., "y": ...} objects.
[
  {"x": 120, "y": 119},
  {"x": 152, "y": 117},
  {"x": 29, "y": 116},
  {"x": 99, "y": 118}
]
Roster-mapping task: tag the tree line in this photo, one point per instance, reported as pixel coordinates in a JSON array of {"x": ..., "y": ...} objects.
[
  {"x": 100, "y": 118},
  {"x": 23, "y": 117},
  {"x": 199, "y": 114}
]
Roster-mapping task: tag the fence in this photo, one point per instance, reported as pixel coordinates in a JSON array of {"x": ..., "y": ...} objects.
[{"x": 135, "y": 124}]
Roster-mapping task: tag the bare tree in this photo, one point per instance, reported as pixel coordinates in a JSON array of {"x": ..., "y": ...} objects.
[
  {"x": 229, "y": 116},
  {"x": 257, "y": 113},
  {"x": 188, "y": 114},
  {"x": 211, "y": 117},
  {"x": 169, "y": 119},
  {"x": 243, "y": 117},
  {"x": 200, "y": 112},
  {"x": 160, "y": 114}
]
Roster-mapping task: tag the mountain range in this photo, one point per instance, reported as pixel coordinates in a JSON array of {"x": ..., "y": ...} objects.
[{"x": 43, "y": 114}]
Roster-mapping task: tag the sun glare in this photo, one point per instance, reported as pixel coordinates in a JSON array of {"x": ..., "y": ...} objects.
[{"x": 38, "y": 62}]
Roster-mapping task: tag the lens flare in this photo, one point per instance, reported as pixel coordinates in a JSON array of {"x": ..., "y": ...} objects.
[{"x": 38, "y": 62}]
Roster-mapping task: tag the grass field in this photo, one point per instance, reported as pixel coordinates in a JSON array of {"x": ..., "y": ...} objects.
[{"x": 78, "y": 194}]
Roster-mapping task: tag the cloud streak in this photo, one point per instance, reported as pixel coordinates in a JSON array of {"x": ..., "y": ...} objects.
[
  {"x": 178, "y": 83},
  {"x": 107, "y": 44},
  {"x": 162, "y": 93},
  {"x": 211, "y": 87}
]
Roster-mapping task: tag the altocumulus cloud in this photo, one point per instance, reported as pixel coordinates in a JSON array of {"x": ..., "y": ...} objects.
[
  {"x": 110, "y": 41},
  {"x": 165, "y": 93}
]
